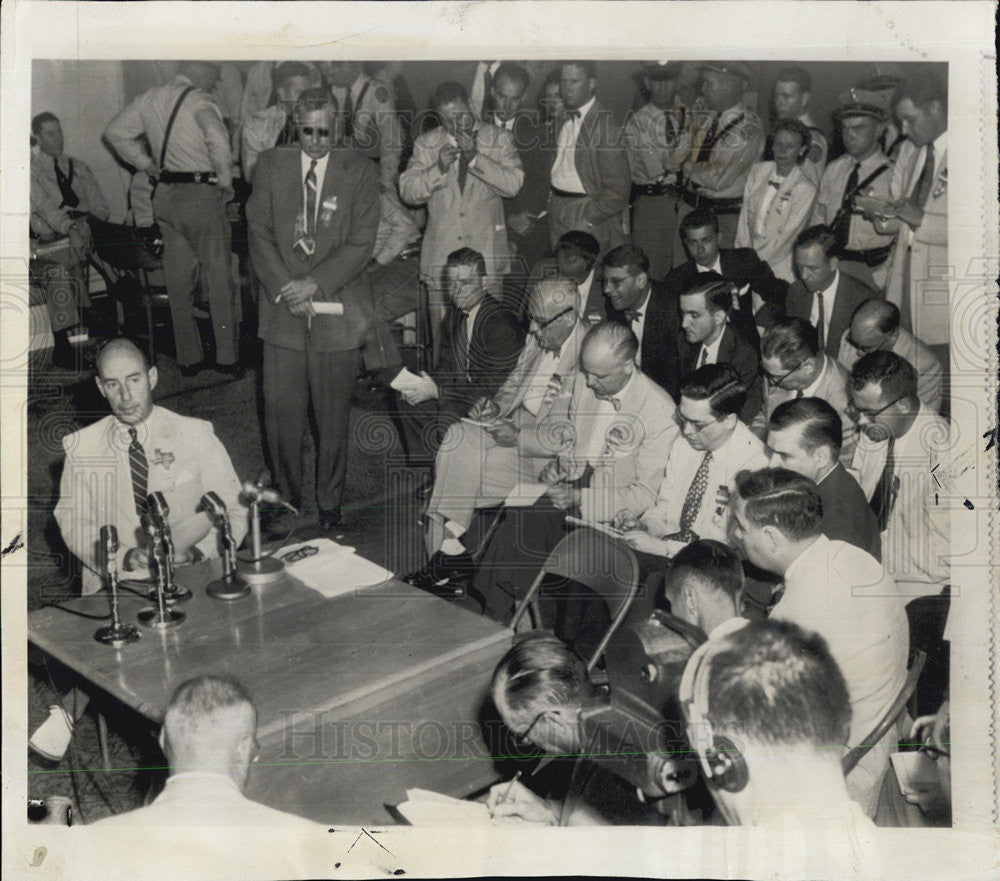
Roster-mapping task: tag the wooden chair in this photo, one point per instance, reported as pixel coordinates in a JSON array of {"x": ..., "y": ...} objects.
[{"x": 615, "y": 579}]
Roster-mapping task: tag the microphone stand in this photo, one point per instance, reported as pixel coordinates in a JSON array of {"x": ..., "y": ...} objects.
[
  {"x": 160, "y": 617},
  {"x": 172, "y": 592},
  {"x": 230, "y": 587},
  {"x": 259, "y": 571},
  {"x": 116, "y": 634}
]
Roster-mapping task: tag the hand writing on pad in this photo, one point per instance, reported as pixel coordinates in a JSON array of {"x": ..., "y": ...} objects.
[{"x": 512, "y": 800}]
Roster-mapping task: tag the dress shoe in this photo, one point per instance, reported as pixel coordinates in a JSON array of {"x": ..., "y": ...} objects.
[
  {"x": 189, "y": 370},
  {"x": 51, "y": 738},
  {"x": 441, "y": 569},
  {"x": 329, "y": 519},
  {"x": 233, "y": 370},
  {"x": 425, "y": 488}
]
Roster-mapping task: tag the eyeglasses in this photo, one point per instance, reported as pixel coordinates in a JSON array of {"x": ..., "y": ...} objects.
[
  {"x": 864, "y": 349},
  {"x": 778, "y": 380},
  {"x": 857, "y": 412},
  {"x": 540, "y": 324},
  {"x": 311, "y": 130},
  {"x": 697, "y": 426},
  {"x": 523, "y": 739},
  {"x": 933, "y": 752},
  {"x": 300, "y": 553},
  {"x": 615, "y": 283}
]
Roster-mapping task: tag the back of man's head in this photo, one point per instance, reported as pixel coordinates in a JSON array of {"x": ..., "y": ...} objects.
[
  {"x": 582, "y": 245},
  {"x": 210, "y": 724},
  {"x": 704, "y": 583},
  {"x": 614, "y": 337},
  {"x": 783, "y": 499},
  {"x": 891, "y": 372},
  {"x": 720, "y": 385},
  {"x": 791, "y": 340},
  {"x": 819, "y": 423}
]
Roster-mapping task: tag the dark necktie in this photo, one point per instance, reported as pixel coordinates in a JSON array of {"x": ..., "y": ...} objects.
[
  {"x": 69, "y": 198},
  {"x": 462, "y": 343},
  {"x": 692, "y": 502},
  {"x": 287, "y": 135},
  {"x": 633, "y": 315},
  {"x": 705, "y": 150},
  {"x": 820, "y": 320},
  {"x": 842, "y": 220},
  {"x": 311, "y": 196},
  {"x": 463, "y": 170},
  {"x": 487, "y": 91},
  {"x": 887, "y": 488},
  {"x": 572, "y": 114},
  {"x": 140, "y": 472},
  {"x": 923, "y": 188},
  {"x": 348, "y": 115},
  {"x": 703, "y": 357}
]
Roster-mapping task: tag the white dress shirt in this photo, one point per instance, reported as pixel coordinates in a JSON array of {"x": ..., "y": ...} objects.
[
  {"x": 829, "y": 295},
  {"x": 564, "y": 174},
  {"x": 638, "y": 325},
  {"x": 710, "y": 350},
  {"x": 320, "y": 176}
]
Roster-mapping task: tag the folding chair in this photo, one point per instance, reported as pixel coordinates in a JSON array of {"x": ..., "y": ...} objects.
[
  {"x": 850, "y": 761},
  {"x": 605, "y": 565}
]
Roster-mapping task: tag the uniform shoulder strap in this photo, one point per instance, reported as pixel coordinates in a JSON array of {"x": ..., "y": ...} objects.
[{"x": 170, "y": 123}]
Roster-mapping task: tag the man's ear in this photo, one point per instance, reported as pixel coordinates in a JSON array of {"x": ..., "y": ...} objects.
[
  {"x": 642, "y": 280},
  {"x": 100, "y": 386},
  {"x": 835, "y": 263},
  {"x": 162, "y": 740},
  {"x": 689, "y": 602},
  {"x": 772, "y": 537},
  {"x": 154, "y": 377}
]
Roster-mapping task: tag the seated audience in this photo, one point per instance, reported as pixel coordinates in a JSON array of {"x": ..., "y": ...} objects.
[
  {"x": 480, "y": 345},
  {"x": 805, "y": 436},
  {"x": 840, "y": 592},
  {"x": 875, "y": 327},
  {"x": 767, "y": 713},
  {"x": 792, "y": 94},
  {"x": 483, "y": 463},
  {"x": 761, "y": 295},
  {"x": 704, "y": 586},
  {"x": 646, "y": 306},
  {"x": 824, "y": 296},
  {"x": 64, "y": 193},
  {"x": 777, "y": 200},
  {"x": 209, "y": 738},
  {"x": 706, "y": 308},
  {"x": 795, "y": 367},
  {"x": 694, "y": 494}
]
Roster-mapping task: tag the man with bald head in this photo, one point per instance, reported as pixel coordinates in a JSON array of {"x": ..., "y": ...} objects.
[
  {"x": 483, "y": 460},
  {"x": 209, "y": 739},
  {"x": 111, "y": 467},
  {"x": 875, "y": 326}
]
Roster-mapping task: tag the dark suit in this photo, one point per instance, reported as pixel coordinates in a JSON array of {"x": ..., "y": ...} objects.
[
  {"x": 846, "y": 513},
  {"x": 602, "y": 165},
  {"x": 535, "y": 142},
  {"x": 736, "y": 351},
  {"x": 494, "y": 347},
  {"x": 741, "y": 267},
  {"x": 318, "y": 361},
  {"x": 592, "y": 301},
  {"x": 659, "y": 357},
  {"x": 851, "y": 293}
]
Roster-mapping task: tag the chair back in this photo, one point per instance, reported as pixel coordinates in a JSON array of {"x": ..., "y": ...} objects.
[
  {"x": 852, "y": 758},
  {"x": 603, "y": 564},
  {"x": 122, "y": 247}
]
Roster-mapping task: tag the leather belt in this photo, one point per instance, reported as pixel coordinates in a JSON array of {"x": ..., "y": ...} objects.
[
  {"x": 565, "y": 194},
  {"x": 654, "y": 189},
  {"x": 189, "y": 177},
  {"x": 719, "y": 206},
  {"x": 870, "y": 256}
]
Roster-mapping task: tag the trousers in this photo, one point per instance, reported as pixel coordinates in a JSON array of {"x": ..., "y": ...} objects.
[
  {"x": 291, "y": 379},
  {"x": 196, "y": 238}
]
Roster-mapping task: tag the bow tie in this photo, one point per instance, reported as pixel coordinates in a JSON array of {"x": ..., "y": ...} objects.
[
  {"x": 774, "y": 183},
  {"x": 572, "y": 114},
  {"x": 633, "y": 315},
  {"x": 614, "y": 402}
]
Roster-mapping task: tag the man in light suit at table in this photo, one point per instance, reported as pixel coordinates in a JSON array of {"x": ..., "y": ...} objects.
[
  {"x": 478, "y": 465},
  {"x": 111, "y": 467},
  {"x": 312, "y": 217},
  {"x": 591, "y": 181},
  {"x": 919, "y": 211},
  {"x": 462, "y": 171}
]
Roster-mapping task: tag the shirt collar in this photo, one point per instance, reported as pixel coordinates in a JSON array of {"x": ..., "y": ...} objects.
[
  {"x": 143, "y": 430},
  {"x": 810, "y": 391},
  {"x": 584, "y": 109},
  {"x": 830, "y": 289},
  {"x": 940, "y": 146},
  {"x": 802, "y": 561},
  {"x": 320, "y": 166},
  {"x": 715, "y": 267}
]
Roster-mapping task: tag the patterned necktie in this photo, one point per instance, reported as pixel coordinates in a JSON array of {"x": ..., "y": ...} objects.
[
  {"x": 842, "y": 220},
  {"x": 692, "y": 502},
  {"x": 705, "y": 150},
  {"x": 820, "y": 320},
  {"x": 923, "y": 188},
  {"x": 311, "y": 196},
  {"x": 884, "y": 498},
  {"x": 463, "y": 170},
  {"x": 140, "y": 472},
  {"x": 69, "y": 198}
]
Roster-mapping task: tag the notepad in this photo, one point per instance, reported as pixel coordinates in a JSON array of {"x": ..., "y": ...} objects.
[
  {"x": 336, "y": 570},
  {"x": 323, "y": 308},
  {"x": 405, "y": 380},
  {"x": 524, "y": 495},
  {"x": 425, "y": 808}
]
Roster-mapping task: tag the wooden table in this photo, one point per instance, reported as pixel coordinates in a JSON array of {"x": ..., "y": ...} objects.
[{"x": 358, "y": 697}]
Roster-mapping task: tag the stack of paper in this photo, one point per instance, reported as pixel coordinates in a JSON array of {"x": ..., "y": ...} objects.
[
  {"x": 425, "y": 808},
  {"x": 336, "y": 569}
]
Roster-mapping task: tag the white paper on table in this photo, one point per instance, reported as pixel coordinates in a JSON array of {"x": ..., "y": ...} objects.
[
  {"x": 524, "y": 495},
  {"x": 426, "y": 808},
  {"x": 336, "y": 569},
  {"x": 324, "y": 308},
  {"x": 406, "y": 380},
  {"x": 593, "y": 524}
]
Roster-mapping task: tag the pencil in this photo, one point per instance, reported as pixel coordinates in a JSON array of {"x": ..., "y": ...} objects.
[{"x": 506, "y": 793}]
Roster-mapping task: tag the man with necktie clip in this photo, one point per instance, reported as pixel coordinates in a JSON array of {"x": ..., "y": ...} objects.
[{"x": 64, "y": 193}]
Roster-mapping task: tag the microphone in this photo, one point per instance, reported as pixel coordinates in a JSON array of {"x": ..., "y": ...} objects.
[
  {"x": 256, "y": 492},
  {"x": 157, "y": 505},
  {"x": 109, "y": 541},
  {"x": 213, "y": 505}
]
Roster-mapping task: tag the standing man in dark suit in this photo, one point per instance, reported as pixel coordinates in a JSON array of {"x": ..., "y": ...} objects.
[
  {"x": 576, "y": 259},
  {"x": 480, "y": 344},
  {"x": 805, "y": 435},
  {"x": 710, "y": 339},
  {"x": 645, "y": 306},
  {"x": 824, "y": 296},
  {"x": 590, "y": 177},
  {"x": 313, "y": 216},
  {"x": 740, "y": 266}
]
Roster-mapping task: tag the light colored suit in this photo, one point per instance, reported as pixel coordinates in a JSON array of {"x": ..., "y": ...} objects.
[
  {"x": 185, "y": 461},
  {"x": 469, "y": 218},
  {"x": 926, "y": 248},
  {"x": 786, "y": 216}
]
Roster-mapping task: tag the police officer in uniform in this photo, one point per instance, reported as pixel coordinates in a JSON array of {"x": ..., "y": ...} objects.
[
  {"x": 652, "y": 138},
  {"x": 369, "y": 117},
  {"x": 864, "y": 170},
  {"x": 723, "y": 141}
]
